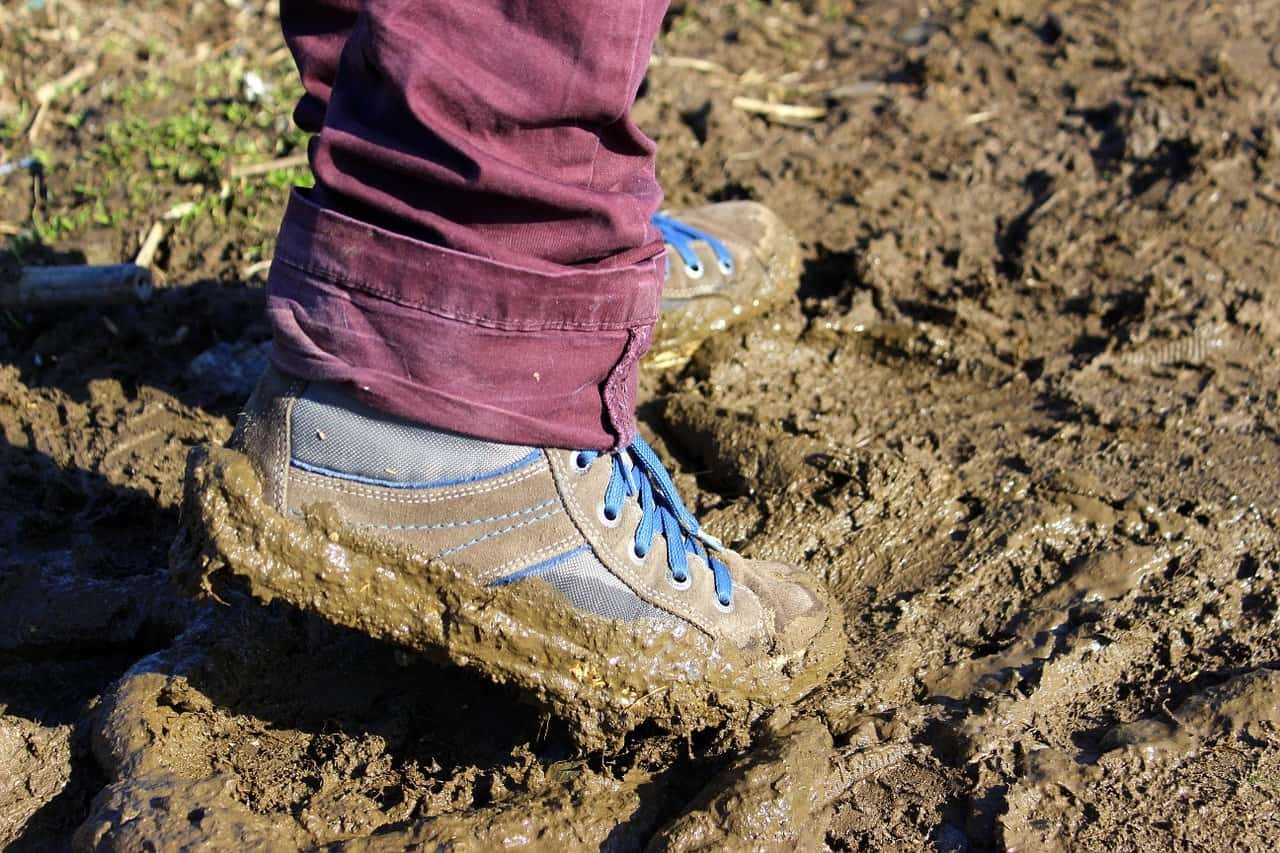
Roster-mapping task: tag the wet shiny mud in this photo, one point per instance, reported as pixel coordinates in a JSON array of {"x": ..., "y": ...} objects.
[{"x": 1021, "y": 420}]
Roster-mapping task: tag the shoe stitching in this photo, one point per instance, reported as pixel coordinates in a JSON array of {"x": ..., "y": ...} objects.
[
  {"x": 499, "y": 532},
  {"x": 327, "y": 483},
  {"x": 531, "y": 458},
  {"x": 535, "y": 569},
  {"x": 767, "y": 614},
  {"x": 486, "y": 575},
  {"x": 530, "y": 558},
  {"x": 446, "y": 525}
]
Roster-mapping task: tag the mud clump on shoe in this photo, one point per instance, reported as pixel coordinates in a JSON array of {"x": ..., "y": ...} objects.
[{"x": 604, "y": 677}]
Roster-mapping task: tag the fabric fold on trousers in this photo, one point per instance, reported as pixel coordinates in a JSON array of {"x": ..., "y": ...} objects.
[
  {"x": 477, "y": 252},
  {"x": 465, "y": 343}
]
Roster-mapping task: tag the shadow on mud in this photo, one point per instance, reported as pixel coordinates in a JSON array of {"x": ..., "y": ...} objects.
[
  {"x": 81, "y": 584},
  {"x": 153, "y": 343},
  {"x": 83, "y": 597},
  {"x": 288, "y": 669}
]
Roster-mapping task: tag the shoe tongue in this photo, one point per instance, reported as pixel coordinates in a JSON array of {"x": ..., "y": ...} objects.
[{"x": 630, "y": 474}]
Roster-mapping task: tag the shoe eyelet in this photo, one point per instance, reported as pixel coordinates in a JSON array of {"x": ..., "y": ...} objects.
[
  {"x": 636, "y": 556},
  {"x": 604, "y": 519},
  {"x": 694, "y": 272},
  {"x": 722, "y": 607},
  {"x": 681, "y": 585},
  {"x": 580, "y": 467},
  {"x": 726, "y": 267}
]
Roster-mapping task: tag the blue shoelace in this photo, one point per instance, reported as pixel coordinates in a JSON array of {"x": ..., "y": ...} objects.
[
  {"x": 681, "y": 237},
  {"x": 661, "y": 510}
]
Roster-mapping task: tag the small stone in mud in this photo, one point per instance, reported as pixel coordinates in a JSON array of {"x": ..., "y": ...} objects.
[{"x": 230, "y": 370}]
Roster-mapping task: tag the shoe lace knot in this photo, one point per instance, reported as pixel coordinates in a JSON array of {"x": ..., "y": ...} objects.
[
  {"x": 681, "y": 237},
  {"x": 638, "y": 473}
]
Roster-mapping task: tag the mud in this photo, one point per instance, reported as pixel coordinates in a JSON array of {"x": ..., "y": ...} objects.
[
  {"x": 277, "y": 775},
  {"x": 1021, "y": 418},
  {"x": 37, "y": 762}
]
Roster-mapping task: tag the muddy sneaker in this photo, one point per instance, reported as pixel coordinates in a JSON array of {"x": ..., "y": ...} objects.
[
  {"x": 726, "y": 263},
  {"x": 578, "y": 576}
]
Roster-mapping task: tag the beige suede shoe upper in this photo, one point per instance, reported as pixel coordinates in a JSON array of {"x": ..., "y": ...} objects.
[
  {"x": 514, "y": 515},
  {"x": 702, "y": 294}
]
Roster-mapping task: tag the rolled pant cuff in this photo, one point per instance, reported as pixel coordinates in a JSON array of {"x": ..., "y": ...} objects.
[{"x": 458, "y": 341}]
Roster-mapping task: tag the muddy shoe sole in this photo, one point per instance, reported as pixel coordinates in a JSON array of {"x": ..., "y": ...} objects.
[{"x": 603, "y": 677}]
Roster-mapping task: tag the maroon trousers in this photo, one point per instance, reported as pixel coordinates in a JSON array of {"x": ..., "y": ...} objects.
[{"x": 476, "y": 254}]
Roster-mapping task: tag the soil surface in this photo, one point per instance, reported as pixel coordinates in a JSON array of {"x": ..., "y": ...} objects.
[{"x": 1022, "y": 419}]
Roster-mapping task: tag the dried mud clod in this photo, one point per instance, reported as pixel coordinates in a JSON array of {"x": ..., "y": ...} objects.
[{"x": 605, "y": 678}]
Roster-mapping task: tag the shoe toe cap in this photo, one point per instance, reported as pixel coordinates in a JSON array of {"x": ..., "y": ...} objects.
[{"x": 797, "y": 601}]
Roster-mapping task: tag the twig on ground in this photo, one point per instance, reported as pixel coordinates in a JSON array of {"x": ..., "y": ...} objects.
[
  {"x": 180, "y": 210},
  {"x": 860, "y": 89},
  {"x": 150, "y": 245},
  {"x": 37, "y": 122},
  {"x": 45, "y": 94},
  {"x": 250, "y": 170},
  {"x": 255, "y": 269},
  {"x": 706, "y": 66},
  {"x": 75, "y": 285},
  {"x": 783, "y": 112},
  {"x": 50, "y": 90}
]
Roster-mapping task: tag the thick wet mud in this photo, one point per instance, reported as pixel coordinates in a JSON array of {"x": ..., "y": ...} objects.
[{"x": 1021, "y": 419}]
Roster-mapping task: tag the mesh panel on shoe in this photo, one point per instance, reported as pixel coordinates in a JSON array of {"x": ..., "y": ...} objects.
[
  {"x": 334, "y": 431},
  {"x": 589, "y": 586}
]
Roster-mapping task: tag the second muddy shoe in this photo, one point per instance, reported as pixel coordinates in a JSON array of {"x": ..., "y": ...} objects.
[
  {"x": 726, "y": 263},
  {"x": 576, "y": 575}
]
